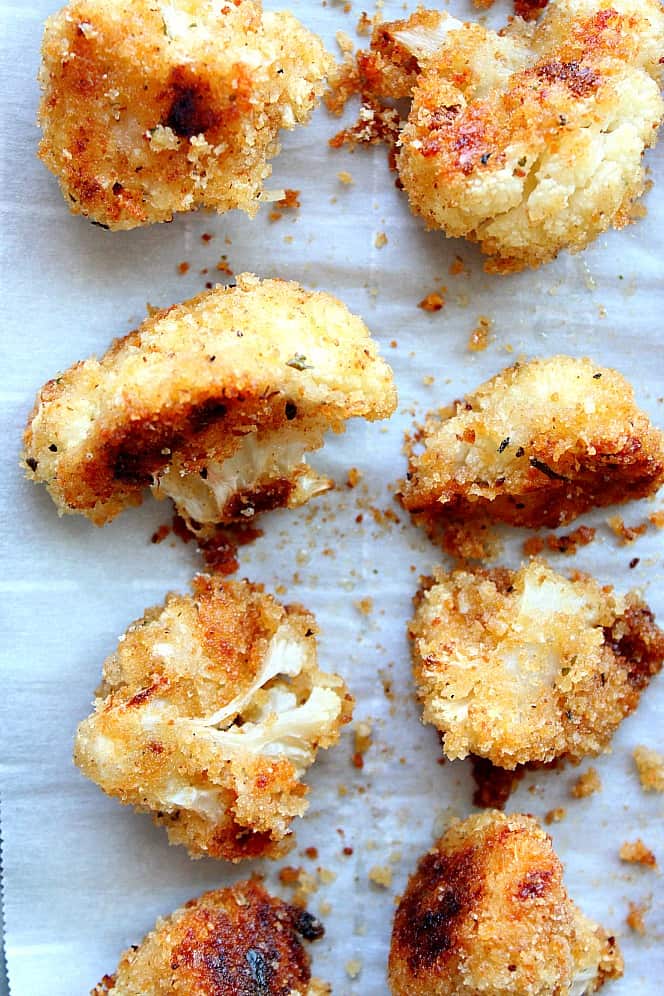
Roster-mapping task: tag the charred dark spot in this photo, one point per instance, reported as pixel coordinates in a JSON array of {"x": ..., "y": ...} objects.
[
  {"x": 145, "y": 693},
  {"x": 207, "y": 414},
  {"x": 439, "y": 896},
  {"x": 130, "y": 469},
  {"x": 53, "y": 448},
  {"x": 308, "y": 926},
  {"x": 580, "y": 80},
  {"x": 485, "y": 158},
  {"x": 638, "y": 645},
  {"x": 545, "y": 469},
  {"x": 262, "y": 499},
  {"x": 519, "y": 451},
  {"x": 99, "y": 224},
  {"x": 191, "y": 112},
  {"x": 504, "y": 444},
  {"x": 32, "y": 463},
  {"x": 535, "y": 884},
  {"x": 291, "y": 410},
  {"x": 117, "y": 188}
]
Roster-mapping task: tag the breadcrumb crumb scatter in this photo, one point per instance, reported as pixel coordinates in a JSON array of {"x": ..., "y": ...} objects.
[
  {"x": 650, "y": 767},
  {"x": 154, "y": 107},
  {"x": 213, "y": 403},
  {"x": 487, "y": 911},
  {"x": 230, "y": 942},
  {"x": 528, "y": 666},
  {"x": 635, "y": 852},
  {"x": 210, "y": 712},
  {"x": 587, "y": 784},
  {"x": 529, "y": 140},
  {"x": 535, "y": 446}
]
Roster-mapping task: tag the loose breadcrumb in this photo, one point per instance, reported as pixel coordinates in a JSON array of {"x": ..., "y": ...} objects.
[
  {"x": 150, "y": 107},
  {"x": 235, "y": 940},
  {"x": 381, "y": 875},
  {"x": 635, "y": 852},
  {"x": 209, "y": 714},
  {"x": 531, "y": 139},
  {"x": 626, "y": 534},
  {"x": 635, "y": 918},
  {"x": 586, "y": 784},
  {"x": 650, "y": 766},
  {"x": 212, "y": 403},
  {"x": 555, "y": 815},
  {"x": 432, "y": 302},
  {"x": 380, "y": 240},
  {"x": 353, "y": 968},
  {"x": 345, "y": 177},
  {"x": 535, "y": 446},
  {"x": 487, "y": 911},
  {"x": 520, "y": 666},
  {"x": 479, "y": 337}
]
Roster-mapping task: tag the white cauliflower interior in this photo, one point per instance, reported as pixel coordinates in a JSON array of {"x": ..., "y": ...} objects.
[
  {"x": 531, "y": 140},
  {"x": 527, "y": 666},
  {"x": 211, "y": 711}
]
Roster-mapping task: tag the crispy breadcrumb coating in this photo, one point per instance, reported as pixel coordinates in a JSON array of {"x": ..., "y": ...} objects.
[
  {"x": 487, "y": 912},
  {"x": 212, "y": 403},
  {"x": 650, "y": 767},
  {"x": 535, "y": 446},
  {"x": 530, "y": 140},
  {"x": 239, "y": 941},
  {"x": 210, "y": 712},
  {"x": 527, "y": 666},
  {"x": 152, "y": 107}
]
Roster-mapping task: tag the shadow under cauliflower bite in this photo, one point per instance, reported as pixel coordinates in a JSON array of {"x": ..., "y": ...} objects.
[
  {"x": 528, "y": 666},
  {"x": 150, "y": 107},
  {"x": 535, "y": 446},
  {"x": 239, "y": 941},
  {"x": 210, "y": 712},
  {"x": 487, "y": 912},
  {"x": 530, "y": 140},
  {"x": 213, "y": 403}
]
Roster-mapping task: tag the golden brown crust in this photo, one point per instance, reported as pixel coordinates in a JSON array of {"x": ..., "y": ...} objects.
[
  {"x": 151, "y": 108},
  {"x": 535, "y": 446},
  {"x": 528, "y": 140},
  {"x": 487, "y": 911},
  {"x": 239, "y": 374},
  {"x": 210, "y": 711},
  {"x": 527, "y": 666},
  {"x": 230, "y": 942}
]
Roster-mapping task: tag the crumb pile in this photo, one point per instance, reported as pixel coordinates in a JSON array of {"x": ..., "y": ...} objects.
[
  {"x": 535, "y": 446},
  {"x": 529, "y": 140},
  {"x": 210, "y": 712},
  {"x": 529, "y": 666},
  {"x": 150, "y": 107},
  {"x": 226, "y": 942},
  {"x": 213, "y": 403},
  {"x": 487, "y": 911}
]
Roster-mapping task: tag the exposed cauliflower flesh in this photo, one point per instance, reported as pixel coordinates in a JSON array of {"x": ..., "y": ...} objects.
[
  {"x": 150, "y": 108},
  {"x": 213, "y": 402},
  {"x": 211, "y": 710},
  {"x": 487, "y": 912},
  {"x": 530, "y": 140},
  {"x": 528, "y": 666},
  {"x": 537, "y": 445},
  {"x": 232, "y": 941}
]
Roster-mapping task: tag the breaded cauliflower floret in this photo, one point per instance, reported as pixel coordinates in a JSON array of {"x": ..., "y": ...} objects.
[
  {"x": 535, "y": 446},
  {"x": 152, "y": 107},
  {"x": 487, "y": 912},
  {"x": 211, "y": 710},
  {"x": 213, "y": 403},
  {"x": 523, "y": 666},
  {"x": 229, "y": 942},
  {"x": 531, "y": 140}
]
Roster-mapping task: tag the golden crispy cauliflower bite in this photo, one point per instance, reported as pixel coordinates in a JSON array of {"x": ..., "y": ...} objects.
[
  {"x": 154, "y": 107},
  {"x": 528, "y": 666},
  {"x": 213, "y": 403},
  {"x": 487, "y": 912},
  {"x": 239, "y": 941},
  {"x": 210, "y": 712},
  {"x": 530, "y": 140},
  {"x": 535, "y": 446}
]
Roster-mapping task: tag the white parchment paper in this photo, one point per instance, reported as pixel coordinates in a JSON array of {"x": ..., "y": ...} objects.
[{"x": 85, "y": 877}]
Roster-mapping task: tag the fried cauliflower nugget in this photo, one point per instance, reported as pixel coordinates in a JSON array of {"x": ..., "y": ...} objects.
[
  {"x": 212, "y": 403},
  {"x": 487, "y": 912},
  {"x": 154, "y": 107},
  {"x": 210, "y": 712},
  {"x": 535, "y": 446},
  {"x": 531, "y": 140},
  {"x": 527, "y": 666},
  {"x": 239, "y": 941}
]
